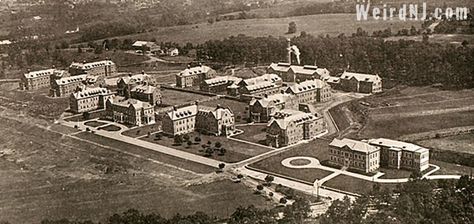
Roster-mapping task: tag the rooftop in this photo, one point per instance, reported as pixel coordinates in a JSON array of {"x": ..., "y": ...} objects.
[
  {"x": 183, "y": 112},
  {"x": 397, "y": 145},
  {"x": 354, "y": 145},
  {"x": 194, "y": 71},
  {"x": 91, "y": 92},
  {"x": 360, "y": 77},
  {"x": 71, "y": 79},
  {"x": 39, "y": 73},
  {"x": 308, "y": 85},
  {"x": 284, "y": 117},
  {"x": 91, "y": 65}
]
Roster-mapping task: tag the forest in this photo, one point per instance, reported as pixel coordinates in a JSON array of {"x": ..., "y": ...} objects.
[{"x": 405, "y": 62}]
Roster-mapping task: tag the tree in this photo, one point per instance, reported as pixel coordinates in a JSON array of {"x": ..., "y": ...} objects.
[
  {"x": 283, "y": 200},
  {"x": 186, "y": 137},
  {"x": 178, "y": 139},
  {"x": 218, "y": 145},
  {"x": 79, "y": 50},
  {"x": 269, "y": 179},
  {"x": 221, "y": 165},
  {"x": 291, "y": 28},
  {"x": 190, "y": 143},
  {"x": 259, "y": 187},
  {"x": 197, "y": 139}
]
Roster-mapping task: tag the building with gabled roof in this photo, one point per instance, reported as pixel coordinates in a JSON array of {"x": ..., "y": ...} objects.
[
  {"x": 215, "y": 120},
  {"x": 353, "y": 154},
  {"x": 147, "y": 93},
  {"x": 99, "y": 69},
  {"x": 261, "y": 109},
  {"x": 36, "y": 79},
  {"x": 360, "y": 83},
  {"x": 267, "y": 84},
  {"x": 126, "y": 83},
  {"x": 311, "y": 91},
  {"x": 288, "y": 127},
  {"x": 297, "y": 73},
  {"x": 402, "y": 155},
  {"x": 89, "y": 99},
  {"x": 193, "y": 76},
  {"x": 64, "y": 86},
  {"x": 129, "y": 111},
  {"x": 333, "y": 81},
  {"x": 180, "y": 121},
  {"x": 218, "y": 84}
]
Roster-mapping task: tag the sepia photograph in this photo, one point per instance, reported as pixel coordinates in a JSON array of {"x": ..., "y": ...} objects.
[{"x": 236, "y": 111}]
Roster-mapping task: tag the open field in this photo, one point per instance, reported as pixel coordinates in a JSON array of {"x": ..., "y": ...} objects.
[
  {"x": 332, "y": 24},
  {"x": 451, "y": 169},
  {"x": 460, "y": 143},
  {"x": 174, "y": 97},
  {"x": 456, "y": 39},
  {"x": 235, "y": 151},
  {"x": 410, "y": 110},
  {"x": 239, "y": 108},
  {"x": 46, "y": 175},
  {"x": 317, "y": 149}
]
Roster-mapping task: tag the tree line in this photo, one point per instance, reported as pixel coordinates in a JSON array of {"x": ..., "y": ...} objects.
[{"x": 404, "y": 61}]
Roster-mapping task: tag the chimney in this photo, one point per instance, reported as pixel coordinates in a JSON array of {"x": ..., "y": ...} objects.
[
  {"x": 143, "y": 72},
  {"x": 129, "y": 74},
  {"x": 289, "y": 50},
  {"x": 189, "y": 66},
  {"x": 266, "y": 95},
  {"x": 174, "y": 108},
  {"x": 84, "y": 61},
  {"x": 218, "y": 106}
]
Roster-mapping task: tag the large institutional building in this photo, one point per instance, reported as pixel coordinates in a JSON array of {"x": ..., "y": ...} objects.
[
  {"x": 194, "y": 76},
  {"x": 355, "y": 155},
  {"x": 361, "y": 83},
  {"x": 297, "y": 73},
  {"x": 311, "y": 91},
  {"x": 215, "y": 121},
  {"x": 288, "y": 127},
  {"x": 218, "y": 84},
  {"x": 402, "y": 155},
  {"x": 267, "y": 84},
  {"x": 100, "y": 69},
  {"x": 89, "y": 99},
  {"x": 36, "y": 79},
  {"x": 65, "y": 86},
  {"x": 129, "y": 111},
  {"x": 262, "y": 109}
]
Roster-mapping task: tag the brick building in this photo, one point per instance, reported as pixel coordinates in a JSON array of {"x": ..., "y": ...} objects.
[
  {"x": 297, "y": 73},
  {"x": 194, "y": 76},
  {"x": 402, "y": 155},
  {"x": 261, "y": 109},
  {"x": 147, "y": 93},
  {"x": 129, "y": 111},
  {"x": 65, "y": 86},
  {"x": 289, "y": 127},
  {"x": 127, "y": 83},
  {"x": 180, "y": 121},
  {"x": 311, "y": 91},
  {"x": 360, "y": 83},
  {"x": 355, "y": 155},
  {"x": 36, "y": 79},
  {"x": 89, "y": 99},
  {"x": 216, "y": 121},
  {"x": 218, "y": 84},
  {"x": 267, "y": 84},
  {"x": 99, "y": 69}
]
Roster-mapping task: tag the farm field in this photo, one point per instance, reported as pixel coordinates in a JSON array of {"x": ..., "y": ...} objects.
[
  {"x": 235, "y": 151},
  {"x": 317, "y": 148},
  {"x": 332, "y": 24},
  {"x": 44, "y": 175},
  {"x": 411, "y": 110},
  {"x": 461, "y": 143}
]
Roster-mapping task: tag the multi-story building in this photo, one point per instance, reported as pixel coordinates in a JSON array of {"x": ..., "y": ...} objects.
[
  {"x": 333, "y": 81},
  {"x": 402, "y": 155},
  {"x": 180, "y": 121},
  {"x": 311, "y": 91},
  {"x": 147, "y": 93},
  {"x": 36, "y": 79},
  {"x": 99, "y": 69},
  {"x": 297, "y": 73},
  {"x": 288, "y": 127},
  {"x": 65, "y": 86},
  {"x": 127, "y": 83},
  {"x": 353, "y": 154},
  {"x": 89, "y": 99},
  {"x": 267, "y": 84},
  {"x": 361, "y": 83},
  {"x": 216, "y": 121},
  {"x": 261, "y": 109},
  {"x": 194, "y": 76},
  {"x": 129, "y": 111},
  {"x": 218, "y": 84}
]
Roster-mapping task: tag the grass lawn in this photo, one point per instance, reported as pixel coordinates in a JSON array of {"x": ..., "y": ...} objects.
[
  {"x": 451, "y": 168},
  {"x": 92, "y": 115},
  {"x": 111, "y": 128},
  {"x": 239, "y": 108},
  {"x": 460, "y": 143},
  {"x": 394, "y": 173},
  {"x": 175, "y": 97},
  {"x": 235, "y": 151},
  {"x": 396, "y": 127},
  {"x": 354, "y": 185},
  {"x": 317, "y": 149},
  {"x": 339, "y": 117},
  {"x": 143, "y": 130},
  {"x": 182, "y": 163},
  {"x": 94, "y": 124},
  {"x": 253, "y": 133}
]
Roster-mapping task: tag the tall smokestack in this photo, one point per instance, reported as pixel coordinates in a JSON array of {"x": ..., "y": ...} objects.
[{"x": 289, "y": 50}]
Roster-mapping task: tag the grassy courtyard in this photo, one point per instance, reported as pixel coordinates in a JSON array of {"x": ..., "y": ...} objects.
[
  {"x": 175, "y": 97},
  {"x": 253, "y": 133},
  {"x": 235, "y": 151}
]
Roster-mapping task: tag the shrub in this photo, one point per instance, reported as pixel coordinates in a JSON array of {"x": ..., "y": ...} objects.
[{"x": 283, "y": 200}]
